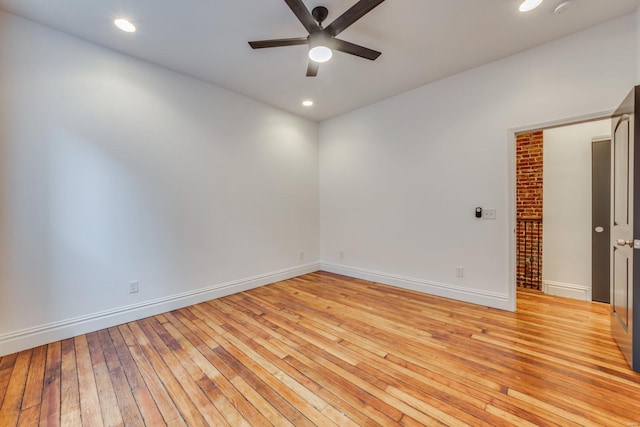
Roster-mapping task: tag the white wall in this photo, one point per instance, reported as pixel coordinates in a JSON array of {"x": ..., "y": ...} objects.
[
  {"x": 566, "y": 244},
  {"x": 112, "y": 169},
  {"x": 399, "y": 180}
]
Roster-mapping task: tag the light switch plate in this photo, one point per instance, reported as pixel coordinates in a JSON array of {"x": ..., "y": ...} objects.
[{"x": 489, "y": 214}]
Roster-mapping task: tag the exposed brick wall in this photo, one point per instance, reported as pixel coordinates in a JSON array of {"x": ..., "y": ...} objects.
[
  {"x": 529, "y": 163},
  {"x": 529, "y": 148}
]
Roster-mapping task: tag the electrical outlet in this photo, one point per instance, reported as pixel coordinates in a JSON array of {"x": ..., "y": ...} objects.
[
  {"x": 133, "y": 287},
  {"x": 489, "y": 214},
  {"x": 459, "y": 271},
  {"x": 301, "y": 256},
  {"x": 341, "y": 254}
]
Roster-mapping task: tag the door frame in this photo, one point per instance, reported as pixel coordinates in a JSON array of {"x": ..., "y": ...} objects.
[{"x": 511, "y": 196}]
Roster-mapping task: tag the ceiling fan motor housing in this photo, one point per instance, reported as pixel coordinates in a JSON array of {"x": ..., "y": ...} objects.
[{"x": 320, "y": 13}]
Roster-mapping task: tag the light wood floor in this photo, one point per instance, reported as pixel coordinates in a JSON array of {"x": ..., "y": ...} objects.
[{"x": 325, "y": 350}]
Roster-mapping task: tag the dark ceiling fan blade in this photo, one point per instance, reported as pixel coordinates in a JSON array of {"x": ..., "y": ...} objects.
[
  {"x": 355, "y": 49},
  {"x": 312, "y": 69},
  {"x": 356, "y": 12},
  {"x": 303, "y": 14},
  {"x": 261, "y": 44}
]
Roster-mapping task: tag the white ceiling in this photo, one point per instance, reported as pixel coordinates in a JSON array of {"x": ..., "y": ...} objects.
[{"x": 421, "y": 41}]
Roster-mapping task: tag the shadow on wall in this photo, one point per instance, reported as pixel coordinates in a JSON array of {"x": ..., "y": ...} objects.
[{"x": 56, "y": 196}]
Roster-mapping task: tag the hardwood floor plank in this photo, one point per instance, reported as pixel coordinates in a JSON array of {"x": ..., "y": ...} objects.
[
  {"x": 134, "y": 377},
  {"x": 35, "y": 380},
  {"x": 51, "y": 398},
  {"x": 10, "y": 409},
  {"x": 70, "y": 412},
  {"x": 111, "y": 415},
  {"x": 90, "y": 410},
  {"x": 5, "y": 375},
  {"x": 6, "y": 368},
  {"x": 324, "y": 349},
  {"x": 8, "y": 361},
  {"x": 31, "y": 417}
]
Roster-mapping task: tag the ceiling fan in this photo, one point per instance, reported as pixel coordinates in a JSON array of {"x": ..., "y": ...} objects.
[{"x": 322, "y": 41}]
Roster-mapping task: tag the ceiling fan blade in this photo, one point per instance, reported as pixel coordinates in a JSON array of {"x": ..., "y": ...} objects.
[
  {"x": 355, "y": 49},
  {"x": 312, "y": 69},
  {"x": 303, "y": 14},
  {"x": 261, "y": 44},
  {"x": 356, "y": 12}
]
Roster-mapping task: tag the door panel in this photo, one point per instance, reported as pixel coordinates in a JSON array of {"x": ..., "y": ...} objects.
[
  {"x": 622, "y": 274},
  {"x": 622, "y": 231},
  {"x": 621, "y": 173},
  {"x": 625, "y": 300}
]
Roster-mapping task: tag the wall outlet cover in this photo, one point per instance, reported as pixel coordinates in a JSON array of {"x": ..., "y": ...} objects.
[{"x": 133, "y": 287}]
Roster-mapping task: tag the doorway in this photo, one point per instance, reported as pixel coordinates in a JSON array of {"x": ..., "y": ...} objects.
[{"x": 557, "y": 256}]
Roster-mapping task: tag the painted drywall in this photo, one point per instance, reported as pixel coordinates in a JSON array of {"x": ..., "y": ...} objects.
[
  {"x": 399, "y": 180},
  {"x": 567, "y": 207},
  {"x": 114, "y": 170}
]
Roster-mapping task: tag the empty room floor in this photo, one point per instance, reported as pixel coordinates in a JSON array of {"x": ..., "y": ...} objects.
[{"x": 324, "y": 350}]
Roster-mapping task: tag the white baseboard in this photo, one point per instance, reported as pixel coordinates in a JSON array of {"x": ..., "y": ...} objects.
[
  {"x": 567, "y": 290},
  {"x": 474, "y": 296},
  {"x": 32, "y": 337}
]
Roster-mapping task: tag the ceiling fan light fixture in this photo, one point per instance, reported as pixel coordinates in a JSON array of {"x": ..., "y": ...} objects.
[
  {"x": 125, "y": 25},
  {"x": 528, "y": 5},
  {"x": 320, "y": 54},
  {"x": 319, "y": 47}
]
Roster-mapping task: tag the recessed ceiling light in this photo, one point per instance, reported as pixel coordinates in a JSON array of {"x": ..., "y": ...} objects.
[
  {"x": 528, "y": 5},
  {"x": 307, "y": 103},
  {"x": 125, "y": 25}
]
